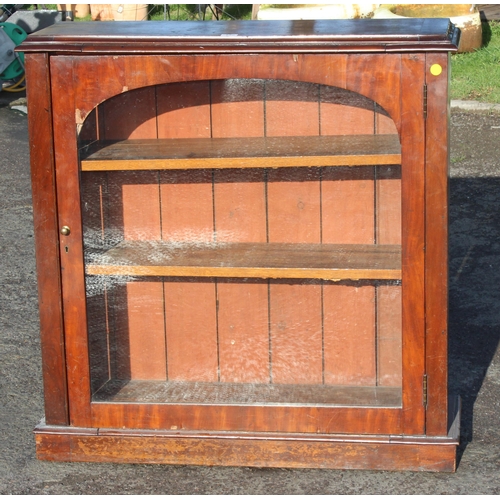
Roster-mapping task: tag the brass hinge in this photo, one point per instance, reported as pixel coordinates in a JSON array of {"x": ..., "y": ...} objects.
[
  {"x": 424, "y": 390},
  {"x": 425, "y": 101}
]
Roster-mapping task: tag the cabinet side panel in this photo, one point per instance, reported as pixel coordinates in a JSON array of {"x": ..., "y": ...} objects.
[
  {"x": 436, "y": 272},
  {"x": 46, "y": 238},
  {"x": 190, "y": 311}
]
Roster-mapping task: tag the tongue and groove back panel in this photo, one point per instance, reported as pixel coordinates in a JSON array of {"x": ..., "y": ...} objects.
[{"x": 230, "y": 329}]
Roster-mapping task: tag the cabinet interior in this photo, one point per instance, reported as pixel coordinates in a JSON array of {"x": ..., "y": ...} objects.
[{"x": 242, "y": 245}]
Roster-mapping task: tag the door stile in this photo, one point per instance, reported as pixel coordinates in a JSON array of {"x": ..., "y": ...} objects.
[
  {"x": 413, "y": 232},
  {"x": 70, "y": 244}
]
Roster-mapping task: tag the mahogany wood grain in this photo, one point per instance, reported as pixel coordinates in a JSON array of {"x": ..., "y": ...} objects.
[
  {"x": 369, "y": 35},
  {"x": 70, "y": 246},
  {"x": 248, "y": 418},
  {"x": 296, "y": 451},
  {"x": 436, "y": 247},
  {"x": 413, "y": 240},
  {"x": 153, "y": 70},
  {"x": 45, "y": 222},
  {"x": 385, "y": 72},
  {"x": 294, "y": 332}
]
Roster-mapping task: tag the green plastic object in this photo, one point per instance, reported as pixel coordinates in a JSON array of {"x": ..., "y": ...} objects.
[{"x": 17, "y": 35}]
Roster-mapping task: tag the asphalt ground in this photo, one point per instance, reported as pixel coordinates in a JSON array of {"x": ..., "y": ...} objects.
[{"x": 474, "y": 354}]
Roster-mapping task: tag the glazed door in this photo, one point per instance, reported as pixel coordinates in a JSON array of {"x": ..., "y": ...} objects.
[{"x": 245, "y": 252}]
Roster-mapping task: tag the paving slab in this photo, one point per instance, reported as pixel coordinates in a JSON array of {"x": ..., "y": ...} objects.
[{"x": 474, "y": 348}]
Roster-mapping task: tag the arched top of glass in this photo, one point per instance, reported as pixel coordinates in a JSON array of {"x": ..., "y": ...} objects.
[{"x": 289, "y": 123}]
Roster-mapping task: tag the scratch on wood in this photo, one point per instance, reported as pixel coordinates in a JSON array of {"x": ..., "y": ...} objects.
[{"x": 79, "y": 119}]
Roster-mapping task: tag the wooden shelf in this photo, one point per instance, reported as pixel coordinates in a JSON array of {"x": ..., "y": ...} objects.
[
  {"x": 248, "y": 152},
  {"x": 213, "y": 393},
  {"x": 250, "y": 260}
]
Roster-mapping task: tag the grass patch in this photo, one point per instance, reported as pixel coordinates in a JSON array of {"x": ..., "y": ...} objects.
[{"x": 476, "y": 75}]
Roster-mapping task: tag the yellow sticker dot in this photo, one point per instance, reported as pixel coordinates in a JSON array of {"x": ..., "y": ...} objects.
[{"x": 436, "y": 69}]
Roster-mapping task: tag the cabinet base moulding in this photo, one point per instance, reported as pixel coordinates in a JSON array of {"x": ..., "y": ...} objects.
[{"x": 434, "y": 454}]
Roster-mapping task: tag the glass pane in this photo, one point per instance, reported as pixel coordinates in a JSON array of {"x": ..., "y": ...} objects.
[{"x": 243, "y": 246}]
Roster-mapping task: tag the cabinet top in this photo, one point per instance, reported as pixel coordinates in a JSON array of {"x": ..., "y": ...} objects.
[{"x": 142, "y": 37}]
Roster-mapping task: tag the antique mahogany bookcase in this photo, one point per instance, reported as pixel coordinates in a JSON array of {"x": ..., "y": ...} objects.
[{"x": 241, "y": 236}]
